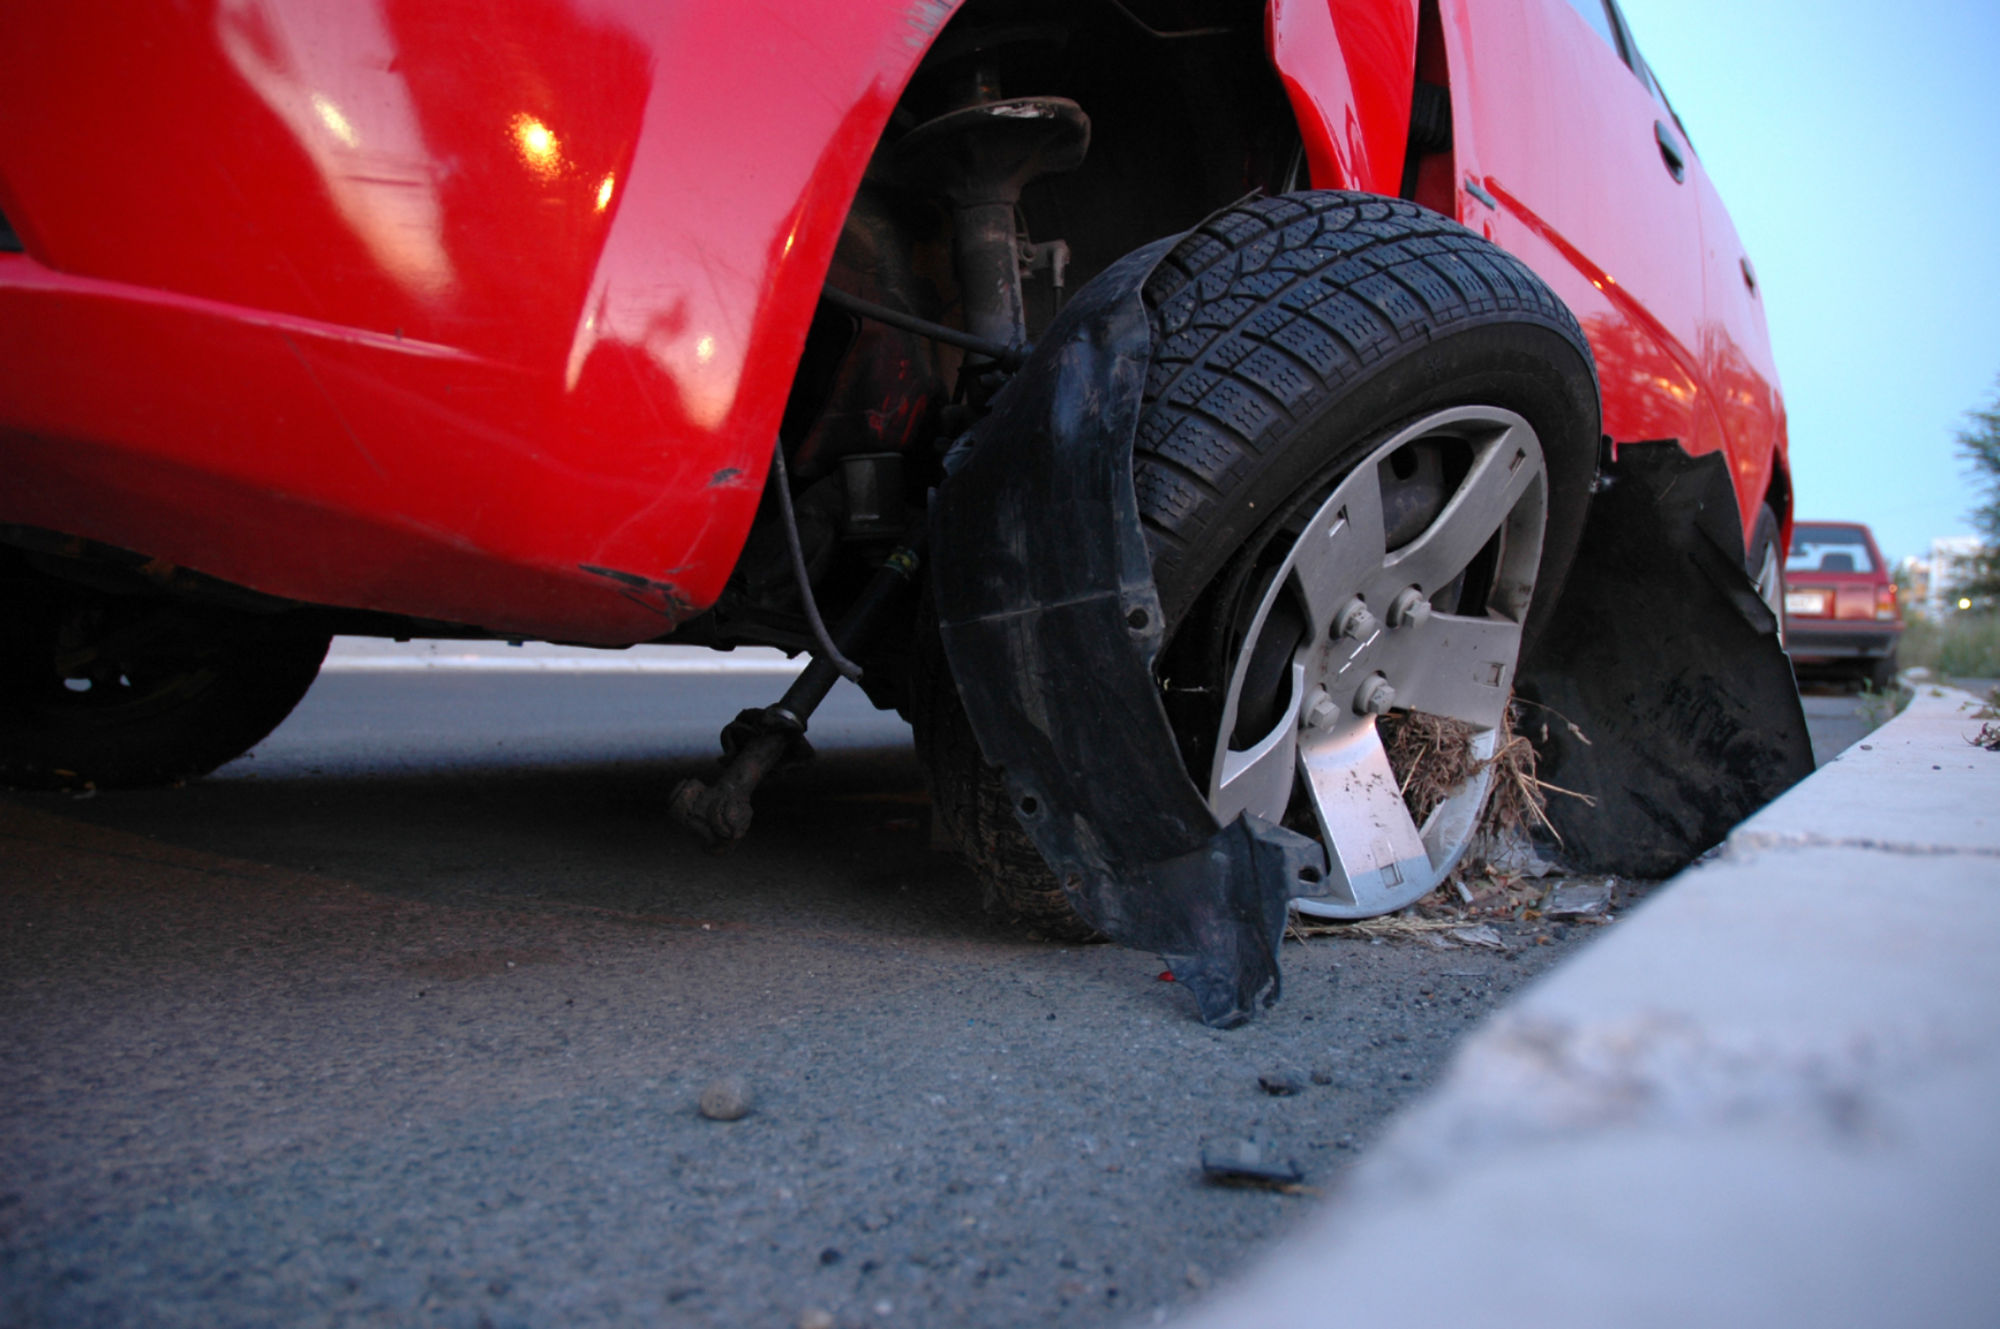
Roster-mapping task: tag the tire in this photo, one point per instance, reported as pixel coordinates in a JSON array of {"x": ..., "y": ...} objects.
[
  {"x": 1881, "y": 674},
  {"x": 119, "y": 691},
  {"x": 1765, "y": 562},
  {"x": 1295, "y": 341}
]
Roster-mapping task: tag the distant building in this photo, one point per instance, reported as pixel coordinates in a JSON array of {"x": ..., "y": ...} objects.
[
  {"x": 1951, "y": 560},
  {"x": 1913, "y": 581}
]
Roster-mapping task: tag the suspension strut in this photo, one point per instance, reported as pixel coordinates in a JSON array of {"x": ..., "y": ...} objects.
[{"x": 978, "y": 156}]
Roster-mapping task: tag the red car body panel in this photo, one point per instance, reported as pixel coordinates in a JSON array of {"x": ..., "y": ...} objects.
[
  {"x": 488, "y": 314},
  {"x": 1648, "y": 263},
  {"x": 1346, "y": 68},
  {"x": 425, "y": 308}
]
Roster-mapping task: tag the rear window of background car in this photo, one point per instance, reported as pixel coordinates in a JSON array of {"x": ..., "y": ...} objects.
[{"x": 1828, "y": 549}]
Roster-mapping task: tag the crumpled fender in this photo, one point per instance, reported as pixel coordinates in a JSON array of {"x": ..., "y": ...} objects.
[
  {"x": 1051, "y": 623},
  {"x": 1660, "y": 653}
]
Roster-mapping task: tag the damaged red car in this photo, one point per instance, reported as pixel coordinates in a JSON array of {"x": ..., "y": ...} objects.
[{"x": 1171, "y": 408}]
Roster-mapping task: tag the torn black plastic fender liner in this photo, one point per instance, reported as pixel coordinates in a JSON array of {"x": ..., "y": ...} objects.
[
  {"x": 1663, "y": 655},
  {"x": 1051, "y": 622}
]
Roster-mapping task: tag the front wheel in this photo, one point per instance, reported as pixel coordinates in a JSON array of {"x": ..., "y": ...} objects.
[
  {"x": 1364, "y": 454},
  {"x": 1764, "y": 560}
]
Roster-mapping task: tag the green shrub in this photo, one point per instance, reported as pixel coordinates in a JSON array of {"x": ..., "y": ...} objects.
[{"x": 1965, "y": 645}]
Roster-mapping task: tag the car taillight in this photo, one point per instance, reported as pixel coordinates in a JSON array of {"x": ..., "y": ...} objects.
[{"x": 1885, "y": 604}]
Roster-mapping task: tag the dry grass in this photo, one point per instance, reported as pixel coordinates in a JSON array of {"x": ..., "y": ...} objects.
[{"x": 1431, "y": 758}]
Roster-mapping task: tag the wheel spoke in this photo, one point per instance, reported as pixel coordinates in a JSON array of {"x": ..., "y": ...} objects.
[
  {"x": 1459, "y": 668},
  {"x": 1341, "y": 547},
  {"x": 1373, "y": 845},
  {"x": 1501, "y": 474},
  {"x": 1259, "y": 779}
]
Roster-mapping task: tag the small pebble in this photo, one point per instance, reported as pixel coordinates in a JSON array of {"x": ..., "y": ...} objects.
[
  {"x": 1279, "y": 1084},
  {"x": 726, "y": 1099},
  {"x": 1240, "y": 1162},
  {"x": 1321, "y": 1075}
]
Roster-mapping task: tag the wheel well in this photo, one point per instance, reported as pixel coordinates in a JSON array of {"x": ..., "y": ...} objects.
[
  {"x": 1778, "y": 498},
  {"x": 1186, "y": 117},
  {"x": 1186, "y": 114}
]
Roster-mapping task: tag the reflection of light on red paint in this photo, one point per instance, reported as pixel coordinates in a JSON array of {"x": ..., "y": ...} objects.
[
  {"x": 336, "y": 123},
  {"x": 540, "y": 148},
  {"x": 605, "y": 187},
  {"x": 357, "y": 123}
]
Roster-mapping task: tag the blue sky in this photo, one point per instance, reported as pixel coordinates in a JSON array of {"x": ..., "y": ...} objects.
[{"x": 1858, "y": 148}]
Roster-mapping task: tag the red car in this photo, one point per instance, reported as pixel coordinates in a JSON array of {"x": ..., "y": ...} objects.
[
  {"x": 1841, "y": 615},
  {"x": 1173, "y": 400}
]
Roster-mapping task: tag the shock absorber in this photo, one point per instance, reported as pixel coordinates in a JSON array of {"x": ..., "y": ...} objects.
[{"x": 979, "y": 157}]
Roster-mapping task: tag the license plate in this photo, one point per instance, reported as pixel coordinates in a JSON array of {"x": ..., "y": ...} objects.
[{"x": 1805, "y": 602}]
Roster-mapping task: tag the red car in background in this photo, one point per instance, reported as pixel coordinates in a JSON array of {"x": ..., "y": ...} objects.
[
  {"x": 619, "y": 321},
  {"x": 1841, "y": 615}
]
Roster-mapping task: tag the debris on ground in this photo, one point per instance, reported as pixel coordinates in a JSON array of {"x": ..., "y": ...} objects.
[
  {"x": 1402, "y": 924},
  {"x": 726, "y": 1099},
  {"x": 1583, "y": 899},
  {"x": 1280, "y": 1083},
  {"x": 1238, "y": 1162},
  {"x": 1988, "y": 736},
  {"x": 1505, "y": 874},
  {"x": 1513, "y": 853},
  {"x": 1481, "y": 935}
]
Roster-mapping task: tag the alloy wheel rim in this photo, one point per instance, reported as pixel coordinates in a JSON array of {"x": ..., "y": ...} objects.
[{"x": 1377, "y": 641}]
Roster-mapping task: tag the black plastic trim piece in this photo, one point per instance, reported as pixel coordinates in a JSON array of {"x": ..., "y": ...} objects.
[
  {"x": 1051, "y": 623},
  {"x": 1667, "y": 661}
]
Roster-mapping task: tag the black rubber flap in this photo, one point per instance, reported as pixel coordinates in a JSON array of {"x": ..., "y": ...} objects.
[
  {"x": 1665, "y": 658},
  {"x": 1051, "y": 623}
]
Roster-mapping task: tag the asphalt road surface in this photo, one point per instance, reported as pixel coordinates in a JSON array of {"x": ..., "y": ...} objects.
[{"x": 404, "y": 1019}]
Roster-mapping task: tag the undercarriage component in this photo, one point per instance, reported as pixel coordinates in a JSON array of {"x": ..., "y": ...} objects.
[
  {"x": 757, "y": 742},
  {"x": 1005, "y": 354},
  {"x": 1041, "y": 565},
  {"x": 1668, "y": 663},
  {"x": 979, "y": 157}
]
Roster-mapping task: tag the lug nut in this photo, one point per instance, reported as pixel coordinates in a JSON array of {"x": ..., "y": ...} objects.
[
  {"x": 1320, "y": 710},
  {"x": 1354, "y": 620},
  {"x": 1410, "y": 609},
  {"x": 1374, "y": 696}
]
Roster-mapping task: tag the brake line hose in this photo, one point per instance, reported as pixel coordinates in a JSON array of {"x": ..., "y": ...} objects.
[{"x": 828, "y": 650}]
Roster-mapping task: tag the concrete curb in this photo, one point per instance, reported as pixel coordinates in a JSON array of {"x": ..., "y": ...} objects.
[
  {"x": 371, "y": 655},
  {"x": 1771, "y": 1096}
]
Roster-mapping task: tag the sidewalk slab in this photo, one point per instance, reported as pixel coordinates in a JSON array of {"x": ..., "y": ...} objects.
[{"x": 1768, "y": 1097}]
